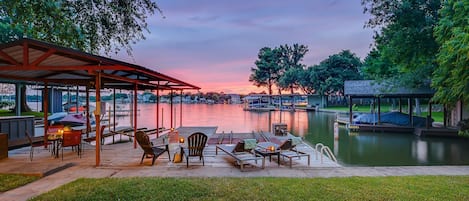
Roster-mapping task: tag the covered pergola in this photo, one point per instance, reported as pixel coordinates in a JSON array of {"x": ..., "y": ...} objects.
[{"x": 32, "y": 62}]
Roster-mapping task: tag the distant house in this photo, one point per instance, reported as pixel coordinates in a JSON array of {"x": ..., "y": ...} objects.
[
  {"x": 235, "y": 98},
  {"x": 164, "y": 99},
  {"x": 186, "y": 99},
  {"x": 176, "y": 99},
  {"x": 202, "y": 100},
  {"x": 146, "y": 97}
]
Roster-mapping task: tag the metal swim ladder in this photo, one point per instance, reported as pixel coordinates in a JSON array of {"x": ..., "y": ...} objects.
[{"x": 324, "y": 150}]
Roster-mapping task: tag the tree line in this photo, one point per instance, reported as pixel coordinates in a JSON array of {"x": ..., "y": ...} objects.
[
  {"x": 416, "y": 43},
  {"x": 281, "y": 67}
]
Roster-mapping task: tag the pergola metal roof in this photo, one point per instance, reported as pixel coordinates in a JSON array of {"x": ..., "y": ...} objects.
[{"x": 30, "y": 61}]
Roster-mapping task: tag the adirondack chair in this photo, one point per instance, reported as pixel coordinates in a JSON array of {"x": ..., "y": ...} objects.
[
  {"x": 195, "y": 147},
  {"x": 149, "y": 149}
]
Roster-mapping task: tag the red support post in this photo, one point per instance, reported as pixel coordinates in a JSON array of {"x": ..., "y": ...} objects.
[
  {"x": 45, "y": 110},
  {"x": 135, "y": 115},
  {"x": 97, "y": 115},
  {"x": 171, "y": 108},
  {"x": 180, "y": 110},
  {"x": 88, "y": 124},
  {"x": 158, "y": 110}
]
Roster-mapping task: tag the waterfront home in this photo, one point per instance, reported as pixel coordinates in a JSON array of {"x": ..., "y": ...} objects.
[
  {"x": 258, "y": 102},
  {"x": 234, "y": 98}
]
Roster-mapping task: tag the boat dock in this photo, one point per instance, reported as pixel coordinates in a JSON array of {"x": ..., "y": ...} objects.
[
  {"x": 125, "y": 156},
  {"x": 431, "y": 131},
  {"x": 440, "y": 132}
]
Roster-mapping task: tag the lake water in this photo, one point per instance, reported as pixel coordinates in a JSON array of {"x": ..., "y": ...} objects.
[{"x": 362, "y": 149}]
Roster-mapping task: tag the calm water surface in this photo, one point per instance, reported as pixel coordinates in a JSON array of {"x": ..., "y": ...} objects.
[{"x": 355, "y": 149}]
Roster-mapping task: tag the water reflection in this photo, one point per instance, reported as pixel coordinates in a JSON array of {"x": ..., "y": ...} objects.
[{"x": 369, "y": 149}]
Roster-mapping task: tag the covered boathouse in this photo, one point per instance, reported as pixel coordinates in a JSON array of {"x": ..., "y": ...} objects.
[{"x": 356, "y": 89}]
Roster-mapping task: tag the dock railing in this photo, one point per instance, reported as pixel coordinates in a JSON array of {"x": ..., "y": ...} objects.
[{"x": 324, "y": 150}]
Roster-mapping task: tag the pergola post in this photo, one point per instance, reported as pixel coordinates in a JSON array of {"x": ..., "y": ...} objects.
[
  {"x": 180, "y": 111},
  {"x": 445, "y": 116},
  {"x": 97, "y": 115},
  {"x": 76, "y": 103},
  {"x": 409, "y": 102},
  {"x": 171, "y": 108},
  {"x": 379, "y": 110},
  {"x": 135, "y": 115},
  {"x": 45, "y": 106},
  {"x": 350, "y": 110},
  {"x": 430, "y": 109},
  {"x": 18, "y": 99},
  {"x": 400, "y": 104},
  {"x": 114, "y": 110},
  {"x": 69, "y": 99},
  {"x": 158, "y": 110},
  {"x": 88, "y": 124},
  {"x": 429, "y": 116}
]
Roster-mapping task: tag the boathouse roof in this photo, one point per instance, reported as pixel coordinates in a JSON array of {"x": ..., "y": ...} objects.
[{"x": 372, "y": 88}]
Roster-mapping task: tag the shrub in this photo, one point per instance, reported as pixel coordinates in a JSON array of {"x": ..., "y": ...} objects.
[
  {"x": 355, "y": 107},
  {"x": 6, "y": 104}
]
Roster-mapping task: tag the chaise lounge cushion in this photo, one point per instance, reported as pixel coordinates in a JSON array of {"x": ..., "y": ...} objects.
[
  {"x": 250, "y": 144},
  {"x": 296, "y": 140},
  {"x": 238, "y": 153}
]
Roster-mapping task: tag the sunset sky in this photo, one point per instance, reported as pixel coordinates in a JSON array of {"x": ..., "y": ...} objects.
[{"x": 214, "y": 43}]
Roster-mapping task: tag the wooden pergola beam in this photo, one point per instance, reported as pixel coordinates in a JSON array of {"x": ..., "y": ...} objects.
[
  {"x": 8, "y": 58},
  {"x": 43, "y": 57},
  {"x": 63, "y": 68}
]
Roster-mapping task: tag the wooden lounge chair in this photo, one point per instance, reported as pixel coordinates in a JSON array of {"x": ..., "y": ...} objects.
[
  {"x": 148, "y": 147},
  {"x": 288, "y": 150},
  {"x": 195, "y": 147},
  {"x": 240, "y": 153}
]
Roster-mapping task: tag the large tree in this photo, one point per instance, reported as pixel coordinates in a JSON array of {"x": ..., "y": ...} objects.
[
  {"x": 451, "y": 77},
  {"x": 267, "y": 70},
  {"x": 404, "y": 38},
  {"x": 308, "y": 83},
  {"x": 290, "y": 79},
  {"x": 290, "y": 58},
  {"x": 330, "y": 74},
  {"x": 88, "y": 25},
  {"x": 377, "y": 67}
]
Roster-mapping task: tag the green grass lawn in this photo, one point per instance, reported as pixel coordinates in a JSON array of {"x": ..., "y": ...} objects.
[
  {"x": 11, "y": 181},
  {"x": 350, "y": 188},
  {"x": 9, "y": 113}
]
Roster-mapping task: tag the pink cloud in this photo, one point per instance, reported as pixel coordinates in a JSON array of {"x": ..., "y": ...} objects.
[{"x": 213, "y": 44}]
